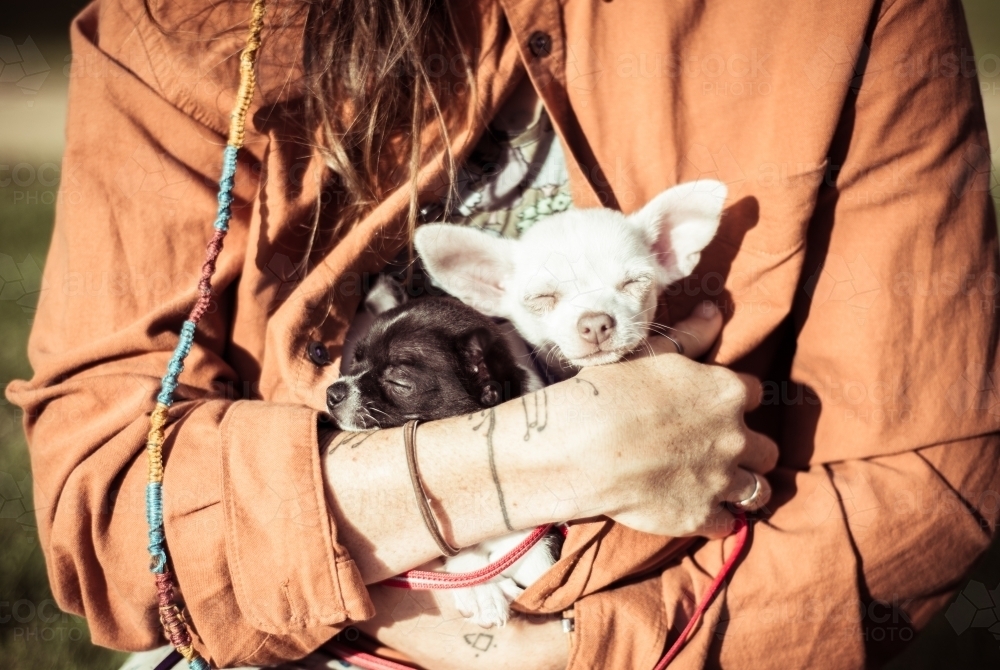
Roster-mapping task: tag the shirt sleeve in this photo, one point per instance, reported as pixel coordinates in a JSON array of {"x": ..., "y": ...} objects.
[
  {"x": 250, "y": 537},
  {"x": 885, "y": 496},
  {"x": 895, "y": 317}
]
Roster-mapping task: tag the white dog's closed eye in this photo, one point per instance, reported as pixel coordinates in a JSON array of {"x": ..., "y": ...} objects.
[{"x": 584, "y": 282}]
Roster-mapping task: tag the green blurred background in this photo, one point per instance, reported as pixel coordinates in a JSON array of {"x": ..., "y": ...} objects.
[{"x": 34, "y": 54}]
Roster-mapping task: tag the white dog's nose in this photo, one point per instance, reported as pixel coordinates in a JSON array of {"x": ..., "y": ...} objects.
[{"x": 595, "y": 327}]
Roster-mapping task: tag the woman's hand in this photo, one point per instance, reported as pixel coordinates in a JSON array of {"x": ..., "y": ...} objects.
[{"x": 675, "y": 447}]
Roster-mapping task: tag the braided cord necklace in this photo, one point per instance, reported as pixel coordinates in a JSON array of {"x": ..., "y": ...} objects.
[{"x": 171, "y": 616}]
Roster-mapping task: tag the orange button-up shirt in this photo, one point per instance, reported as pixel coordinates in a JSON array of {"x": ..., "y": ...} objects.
[{"x": 856, "y": 263}]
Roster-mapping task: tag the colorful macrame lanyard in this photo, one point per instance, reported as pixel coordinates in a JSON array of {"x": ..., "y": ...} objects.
[{"x": 170, "y": 608}]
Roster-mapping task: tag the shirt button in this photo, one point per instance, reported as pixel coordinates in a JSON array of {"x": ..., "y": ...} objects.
[
  {"x": 430, "y": 212},
  {"x": 318, "y": 354},
  {"x": 540, "y": 44}
]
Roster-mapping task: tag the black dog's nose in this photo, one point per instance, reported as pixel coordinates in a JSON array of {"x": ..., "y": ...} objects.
[
  {"x": 595, "y": 328},
  {"x": 336, "y": 393}
]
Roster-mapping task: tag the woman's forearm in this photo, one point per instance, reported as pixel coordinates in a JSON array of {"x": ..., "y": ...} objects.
[
  {"x": 656, "y": 443},
  {"x": 509, "y": 467}
]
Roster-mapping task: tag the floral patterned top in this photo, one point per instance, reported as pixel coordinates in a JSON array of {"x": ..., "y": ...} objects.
[{"x": 517, "y": 172}]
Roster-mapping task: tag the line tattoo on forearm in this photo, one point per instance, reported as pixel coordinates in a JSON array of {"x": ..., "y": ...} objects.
[
  {"x": 541, "y": 413},
  {"x": 349, "y": 439},
  {"x": 490, "y": 416},
  {"x": 591, "y": 384}
]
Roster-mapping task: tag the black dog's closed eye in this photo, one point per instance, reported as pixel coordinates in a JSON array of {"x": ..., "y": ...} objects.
[
  {"x": 398, "y": 380},
  {"x": 427, "y": 359}
]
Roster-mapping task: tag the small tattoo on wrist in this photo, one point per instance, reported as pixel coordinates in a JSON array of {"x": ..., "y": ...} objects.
[
  {"x": 349, "y": 439},
  {"x": 541, "y": 413}
]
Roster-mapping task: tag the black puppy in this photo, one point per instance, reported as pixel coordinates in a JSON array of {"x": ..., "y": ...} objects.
[
  {"x": 426, "y": 359},
  {"x": 430, "y": 359}
]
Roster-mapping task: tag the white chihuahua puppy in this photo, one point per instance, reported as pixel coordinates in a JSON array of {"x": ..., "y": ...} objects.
[
  {"x": 582, "y": 285},
  {"x": 585, "y": 282}
]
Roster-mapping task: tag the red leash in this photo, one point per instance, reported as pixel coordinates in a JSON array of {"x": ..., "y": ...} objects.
[
  {"x": 422, "y": 580},
  {"x": 742, "y": 530},
  {"x": 363, "y": 660},
  {"x": 429, "y": 581}
]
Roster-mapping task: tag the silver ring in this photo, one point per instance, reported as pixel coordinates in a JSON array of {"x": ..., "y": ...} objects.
[
  {"x": 752, "y": 498},
  {"x": 680, "y": 347}
]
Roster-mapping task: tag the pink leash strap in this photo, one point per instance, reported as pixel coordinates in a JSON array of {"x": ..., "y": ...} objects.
[
  {"x": 362, "y": 659},
  {"x": 419, "y": 580},
  {"x": 741, "y": 532},
  {"x": 423, "y": 580}
]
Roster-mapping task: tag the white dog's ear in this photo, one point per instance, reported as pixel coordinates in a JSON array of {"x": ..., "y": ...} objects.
[
  {"x": 680, "y": 222},
  {"x": 468, "y": 263}
]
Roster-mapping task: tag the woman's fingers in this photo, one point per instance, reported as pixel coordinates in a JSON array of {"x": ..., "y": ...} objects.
[
  {"x": 697, "y": 333},
  {"x": 760, "y": 453},
  {"x": 721, "y": 523},
  {"x": 750, "y": 491},
  {"x": 693, "y": 336},
  {"x": 755, "y": 392}
]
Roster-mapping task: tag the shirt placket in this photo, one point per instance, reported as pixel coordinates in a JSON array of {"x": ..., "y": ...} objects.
[{"x": 538, "y": 32}]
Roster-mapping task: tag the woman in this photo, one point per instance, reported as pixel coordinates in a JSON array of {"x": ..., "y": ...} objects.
[{"x": 855, "y": 269}]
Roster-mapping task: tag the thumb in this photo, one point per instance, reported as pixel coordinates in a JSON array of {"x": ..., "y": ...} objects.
[{"x": 697, "y": 333}]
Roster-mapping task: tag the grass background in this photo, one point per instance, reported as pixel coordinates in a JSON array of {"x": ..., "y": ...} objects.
[{"x": 34, "y": 635}]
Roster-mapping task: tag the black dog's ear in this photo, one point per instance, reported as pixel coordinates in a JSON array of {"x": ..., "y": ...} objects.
[{"x": 472, "y": 354}]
